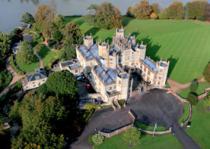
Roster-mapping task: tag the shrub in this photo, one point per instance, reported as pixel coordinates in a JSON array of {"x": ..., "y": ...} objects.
[
  {"x": 192, "y": 98},
  {"x": 194, "y": 85},
  {"x": 97, "y": 139},
  {"x": 131, "y": 136},
  {"x": 206, "y": 72}
]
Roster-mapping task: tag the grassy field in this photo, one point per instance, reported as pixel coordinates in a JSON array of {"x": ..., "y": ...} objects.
[
  {"x": 184, "y": 43},
  {"x": 201, "y": 87},
  {"x": 199, "y": 131}
]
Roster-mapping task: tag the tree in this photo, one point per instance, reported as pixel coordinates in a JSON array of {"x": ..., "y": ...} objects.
[
  {"x": 142, "y": 10},
  {"x": 175, "y": 11},
  {"x": 206, "y": 72},
  {"x": 62, "y": 83},
  {"x": 68, "y": 52},
  {"x": 192, "y": 98},
  {"x": 44, "y": 17},
  {"x": 155, "y": 11},
  {"x": 5, "y": 44},
  {"x": 72, "y": 35},
  {"x": 25, "y": 55},
  {"x": 104, "y": 15},
  {"x": 194, "y": 85},
  {"x": 36, "y": 116},
  {"x": 97, "y": 139},
  {"x": 196, "y": 9},
  {"x": 28, "y": 18},
  {"x": 131, "y": 136}
]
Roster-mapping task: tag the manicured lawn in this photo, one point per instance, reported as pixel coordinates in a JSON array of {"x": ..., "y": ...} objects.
[
  {"x": 200, "y": 129},
  {"x": 146, "y": 142},
  {"x": 184, "y": 43},
  {"x": 202, "y": 86},
  {"x": 28, "y": 67},
  {"x": 51, "y": 57}
]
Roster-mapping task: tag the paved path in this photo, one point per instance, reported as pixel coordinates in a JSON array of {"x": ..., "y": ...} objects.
[{"x": 176, "y": 86}]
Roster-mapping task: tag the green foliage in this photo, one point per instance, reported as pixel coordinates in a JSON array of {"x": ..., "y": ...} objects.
[
  {"x": 72, "y": 35},
  {"x": 206, "y": 72},
  {"x": 104, "y": 15},
  {"x": 131, "y": 136},
  {"x": 97, "y": 139},
  {"x": 27, "y": 18},
  {"x": 14, "y": 65},
  {"x": 192, "y": 98},
  {"x": 5, "y": 79},
  {"x": 4, "y": 44},
  {"x": 26, "y": 54},
  {"x": 69, "y": 52},
  {"x": 36, "y": 116},
  {"x": 194, "y": 85},
  {"x": 196, "y": 9},
  {"x": 62, "y": 83}
]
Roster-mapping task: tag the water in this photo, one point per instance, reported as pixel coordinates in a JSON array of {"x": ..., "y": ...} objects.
[{"x": 11, "y": 10}]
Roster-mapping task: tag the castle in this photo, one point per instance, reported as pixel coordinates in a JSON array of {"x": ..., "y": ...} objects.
[{"x": 104, "y": 65}]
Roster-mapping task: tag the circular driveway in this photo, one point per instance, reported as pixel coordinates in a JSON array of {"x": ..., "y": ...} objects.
[{"x": 156, "y": 106}]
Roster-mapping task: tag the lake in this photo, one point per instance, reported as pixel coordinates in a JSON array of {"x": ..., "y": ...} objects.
[{"x": 11, "y": 10}]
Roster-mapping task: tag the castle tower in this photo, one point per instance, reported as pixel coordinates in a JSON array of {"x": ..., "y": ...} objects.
[
  {"x": 120, "y": 33},
  {"x": 103, "y": 50},
  {"x": 123, "y": 84},
  {"x": 163, "y": 67},
  {"x": 142, "y": 50},
  {"x": 88, "y": 41}
]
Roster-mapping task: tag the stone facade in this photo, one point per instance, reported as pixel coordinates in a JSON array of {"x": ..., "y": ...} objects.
[{"x": 105, "y": 64}]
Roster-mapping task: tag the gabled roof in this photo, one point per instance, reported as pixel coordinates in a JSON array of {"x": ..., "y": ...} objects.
[{"x": 151, "y": 64}]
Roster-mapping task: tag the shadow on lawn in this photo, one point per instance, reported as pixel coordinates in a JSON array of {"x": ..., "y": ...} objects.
[
  {"x": 44, "y": 51},
  {"x": 92, "y": 31},
  {"x": 126, "y": 21}
]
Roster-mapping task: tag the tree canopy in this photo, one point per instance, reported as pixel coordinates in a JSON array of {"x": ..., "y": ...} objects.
[
  {"x": 36, "y": 116},
  {"x": 62, "y": 83},
  {"x": 196, "y": 9},
  {"x": 25, "y": 54},
  {"x": 27, "y": 18},
  {"x": 206, "y": 72},
  {"x": 131, "y": 136},
  {"x": 104, "y": 15},
  {"x": 4, "y": 44}
]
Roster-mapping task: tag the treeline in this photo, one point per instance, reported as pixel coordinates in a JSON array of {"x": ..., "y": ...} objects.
[
  {"x": 108, "y": 16},
  {"x": 196, "y": 9}
]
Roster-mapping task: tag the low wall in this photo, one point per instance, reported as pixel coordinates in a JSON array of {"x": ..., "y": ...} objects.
[{"x": 156, "y": 132}]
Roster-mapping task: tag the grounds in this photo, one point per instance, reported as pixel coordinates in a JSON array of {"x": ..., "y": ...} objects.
[{"x": 156, "y": 106}]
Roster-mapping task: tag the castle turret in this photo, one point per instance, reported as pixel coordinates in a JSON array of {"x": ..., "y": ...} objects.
[
  {"x": 163, "y": 67},
  {"x": 142, "y": 49},
  {"x": 120, "y": 33},
  {"x": 103, "y": 50},
  {"x": 123, "y": 84},
  {"x": 88, "y": 41}
]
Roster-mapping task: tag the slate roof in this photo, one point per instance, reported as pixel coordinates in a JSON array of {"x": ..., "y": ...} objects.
[
  {"x": 90, "y": 53},
  {"x": 151, "y": 64},
  {"x": 39, "y": 74}
]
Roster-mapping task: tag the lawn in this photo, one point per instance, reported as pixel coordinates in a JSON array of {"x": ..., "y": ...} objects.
[
  {"x": 201, "y": 87},
  {"x": 184, "y": 43},
  {"x": 199, "y": 131},
  {"x": 28, "y": 67}
]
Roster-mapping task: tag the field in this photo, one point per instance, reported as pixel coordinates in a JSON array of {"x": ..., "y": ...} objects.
[
  {"x": 184, "y": 43},
  {"x": 199, "y": 131}
]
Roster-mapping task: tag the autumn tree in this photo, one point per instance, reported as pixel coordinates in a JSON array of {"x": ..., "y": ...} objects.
[
  {"x": 44, "y": 17},
  {"x": 155, "y": 11},
  {"x": 104, "y": 15},
  {"x": 174, "y": 11},
  {"x": 196, "y": 9},
  {"x": 142, "y": 10},
  {"x": 25, "y": 55}
]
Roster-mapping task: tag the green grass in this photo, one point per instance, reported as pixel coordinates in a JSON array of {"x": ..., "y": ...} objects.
[
  {"x": 143, "y": 126},
  {"x": 145, "y": 142},
  {"x": 51, "y": 57},
  {"x": 200, "y": 128},
  {"x": 185, "y": 113},
  {"x": 28, "y": 67},
  {"x": 184, "y": 43},
  {"x": 201, "y": 87}
]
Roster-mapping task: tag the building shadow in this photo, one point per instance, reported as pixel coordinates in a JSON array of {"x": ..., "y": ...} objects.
[
  {"x": 126, "y": 21},
  {"x": 152, "y": 48},
  {"x": 92, "y": 31},
  {"x": 80, "y": 21},
  {"x": 173, "y": 61}
]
